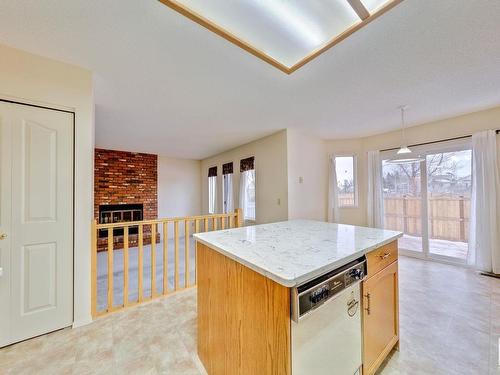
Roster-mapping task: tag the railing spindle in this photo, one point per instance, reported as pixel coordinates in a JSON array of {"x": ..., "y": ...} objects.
[
  {"x": 140, "y": 245},
  {"x": 222, "y": 222},
  {"x": 176, "y": 255},
  {"x": 110, "y": 269},
  {"x": 206, "y": 224},
  {"x": 196, "y": 230},
  {"x": 186, "y": 253},
  {"x": 165, "y": 257},
  {"x": 125, "y": 266},
  {"x": 214, "y": 223},
  {"x": 153, "y": 260}
]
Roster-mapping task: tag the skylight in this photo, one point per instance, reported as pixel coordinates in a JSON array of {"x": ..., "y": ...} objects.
[{"x": 284, "y": 33}]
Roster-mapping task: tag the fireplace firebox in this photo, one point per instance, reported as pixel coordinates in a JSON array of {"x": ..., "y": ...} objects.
[{"x": 119, "y": 213}]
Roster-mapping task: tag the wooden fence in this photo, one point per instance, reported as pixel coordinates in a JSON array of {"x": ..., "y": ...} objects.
[
  {"x": 202, "y": 223},
  {"x": 448, "y": 216},
  {"x": 346, "y": 199}
]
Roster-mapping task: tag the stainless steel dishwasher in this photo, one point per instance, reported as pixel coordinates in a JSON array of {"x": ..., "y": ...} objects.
[{"x": 326, "y": 322}]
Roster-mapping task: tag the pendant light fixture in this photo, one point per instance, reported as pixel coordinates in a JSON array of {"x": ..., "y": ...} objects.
[{"x": 404, "y": 154}]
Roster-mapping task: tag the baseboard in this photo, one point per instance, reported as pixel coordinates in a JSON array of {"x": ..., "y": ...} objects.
[
  {"x": 490, "y": 274},
  {"x": 81, "y": 323}
]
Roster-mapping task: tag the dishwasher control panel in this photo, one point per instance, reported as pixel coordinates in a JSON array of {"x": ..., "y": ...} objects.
[{"x": 314, "y": 293}]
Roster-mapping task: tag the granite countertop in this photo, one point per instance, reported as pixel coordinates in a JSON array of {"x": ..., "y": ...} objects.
[{"x": 295, "y": 251}]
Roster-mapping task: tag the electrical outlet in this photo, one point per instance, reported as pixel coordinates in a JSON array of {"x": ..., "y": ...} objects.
[
  {"x": 279, "y": 201},
  {"x": 301, "y": 179}
]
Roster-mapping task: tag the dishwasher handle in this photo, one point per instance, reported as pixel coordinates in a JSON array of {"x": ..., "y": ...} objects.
[{"x": 352, "y": 307}]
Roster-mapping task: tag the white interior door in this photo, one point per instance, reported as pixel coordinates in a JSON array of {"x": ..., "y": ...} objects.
[
  {"x": 5, "y": 228},
  {"x": 37, "y": 179}
]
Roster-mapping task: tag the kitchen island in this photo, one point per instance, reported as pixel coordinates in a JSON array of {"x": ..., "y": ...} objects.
[{"x": 246, "y": 278}]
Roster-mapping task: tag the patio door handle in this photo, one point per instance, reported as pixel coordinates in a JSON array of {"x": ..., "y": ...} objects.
[{"x": 3, "y": 236}]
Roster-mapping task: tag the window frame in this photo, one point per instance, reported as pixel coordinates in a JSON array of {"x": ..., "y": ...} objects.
[
  {"x": 223, "y": 197},
  {"x": 354, "y": 177},
  {"x": 216, "y": 189},
  {"x": 424, "y": 150},
  {"x": 254, "y": 220}
]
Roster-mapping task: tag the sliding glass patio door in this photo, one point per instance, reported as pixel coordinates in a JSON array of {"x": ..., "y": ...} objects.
[
  {"x": 449, "y": 187},
  {"x": 403, "y": 203},
  {"x": 429, "y": 201}
]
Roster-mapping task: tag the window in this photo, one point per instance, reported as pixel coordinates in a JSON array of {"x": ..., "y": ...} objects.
[
  {"x": 345, "y": 168},
  {"x": 212, "y": 190},
  {"x": 247, "y": 188},
  {"x": 227, "y": 188}
]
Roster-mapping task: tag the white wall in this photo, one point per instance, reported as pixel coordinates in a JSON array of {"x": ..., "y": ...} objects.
[
  {"x": 36, "y": 80},
  {"x": 179, "y": 187},
  {"x": 433, "y": 131},
  {"x": 307, "y": 176},
  {"x": 271, "y": 176}
]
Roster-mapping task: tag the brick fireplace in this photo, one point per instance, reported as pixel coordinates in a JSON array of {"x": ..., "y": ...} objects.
[{"x": 125, "y": 188}]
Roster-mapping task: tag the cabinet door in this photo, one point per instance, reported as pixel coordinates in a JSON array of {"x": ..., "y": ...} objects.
[{"x": 380, "y": 317}]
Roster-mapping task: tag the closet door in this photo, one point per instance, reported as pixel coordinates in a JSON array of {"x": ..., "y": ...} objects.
[
  {"x": 40, "y": 230},
  {"x": 5, "y": 228}
]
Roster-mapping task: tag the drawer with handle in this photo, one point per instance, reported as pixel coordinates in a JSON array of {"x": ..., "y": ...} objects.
[{"x": 380, "y": 258}]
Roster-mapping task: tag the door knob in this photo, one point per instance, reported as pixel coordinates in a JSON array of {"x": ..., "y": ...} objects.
[{"x": 3, "y": 236}]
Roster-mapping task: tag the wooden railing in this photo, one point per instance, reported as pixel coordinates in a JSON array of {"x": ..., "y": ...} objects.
[{"x": 152, "y": 234}]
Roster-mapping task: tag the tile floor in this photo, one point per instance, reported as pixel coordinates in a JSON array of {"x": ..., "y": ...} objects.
[{"x": 450, "y": 324}]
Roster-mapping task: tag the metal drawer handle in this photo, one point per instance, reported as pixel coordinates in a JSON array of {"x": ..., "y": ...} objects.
[
  {"x": 386, "y": 255},
  {"x": 3, "y": 236},
  {"x": 367, "y": 308}
]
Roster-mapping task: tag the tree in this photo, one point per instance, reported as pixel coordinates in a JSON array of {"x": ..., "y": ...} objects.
[{"x": 437, "y": 165}]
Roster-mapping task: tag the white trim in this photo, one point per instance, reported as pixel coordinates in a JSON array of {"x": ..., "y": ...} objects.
[
  {"x": 81, "y": 322},
  {"x": 37, "y": 103}
]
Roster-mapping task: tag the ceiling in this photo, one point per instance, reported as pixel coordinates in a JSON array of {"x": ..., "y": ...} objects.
[
  {"x": 163, "y": 84},
  {"x": 285, "y": 33}
]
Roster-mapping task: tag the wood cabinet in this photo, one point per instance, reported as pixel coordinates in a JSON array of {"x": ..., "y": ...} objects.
[
  {"x": 380, "y": 309},
  {"x": 243, "y": 318},
  {"x": 381, "y": 257}
]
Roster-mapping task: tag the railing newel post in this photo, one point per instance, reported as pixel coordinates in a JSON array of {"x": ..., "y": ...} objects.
[
  {"x": 94, "y": 268},
  {"x": 186, "y": 253},
  {"x": 239, "y": 217},
  {"x": 176, "y": 255}
]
